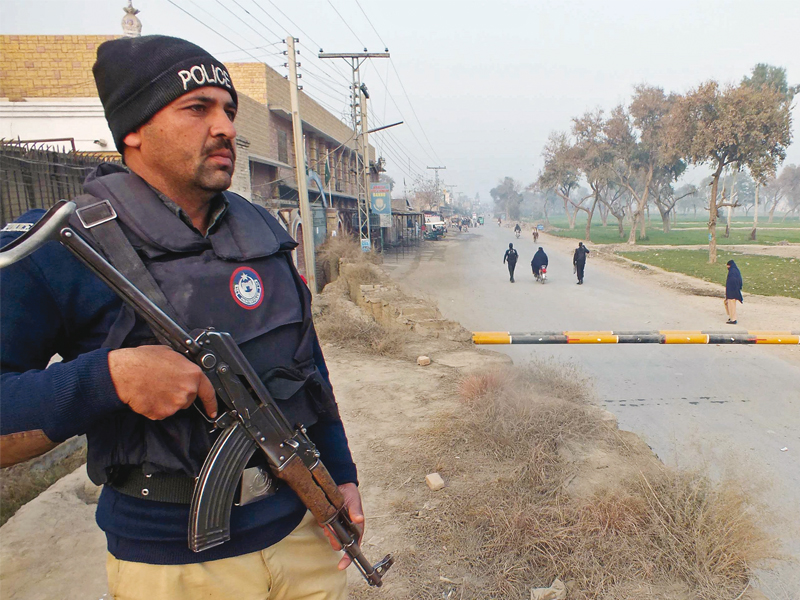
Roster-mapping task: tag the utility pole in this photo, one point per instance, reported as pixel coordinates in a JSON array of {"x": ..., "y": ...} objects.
[
  {"x": 361, "y": 134},
  {"x": 300, "y": 166},
  {"x": 436, "y": 170}
]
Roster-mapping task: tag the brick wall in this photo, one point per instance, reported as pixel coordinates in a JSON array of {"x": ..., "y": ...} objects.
[
  {"x": 260, "y": 128},
  {"x": 48, "y": 66},
  {"x": 250, "y": 79}
]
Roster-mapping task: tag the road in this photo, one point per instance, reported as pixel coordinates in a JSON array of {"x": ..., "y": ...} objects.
[{"x": 731, "y": 409}]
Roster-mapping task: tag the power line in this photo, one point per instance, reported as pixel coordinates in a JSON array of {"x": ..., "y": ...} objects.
[
  {"x": 258, "y": 33},
  {"x": 302, "y": 31},
  {"x": 253, "y": 48},
  {"x": 414, "y": 111},
  {"x": 407, "y": 156},
  {"x": 414, "y": 135},
  {"x": 183, "y": 10},
  {"x": 371, "y": 25},
  {"x": 318, "y": 89},
  {"x": 348, "y": 25},
  {"x": 399, "y": 79},
  {"x": 253, "y": 16}
]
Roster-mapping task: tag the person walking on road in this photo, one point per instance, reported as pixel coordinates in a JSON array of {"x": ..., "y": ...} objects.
[
  {"x": 535, "y": 234},
  {"x": 510, "y": 258},
  {"x": 539, "y": 261},
  {"x": 733, "y": 291},
  {"x": 579, "y": 260}
]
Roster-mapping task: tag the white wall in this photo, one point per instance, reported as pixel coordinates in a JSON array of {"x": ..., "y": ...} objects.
[{"x": 47, "y": 118}]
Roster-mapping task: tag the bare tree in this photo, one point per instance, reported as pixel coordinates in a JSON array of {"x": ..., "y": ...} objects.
[
  {"x": 638, "y": 140},
  {"x": 561, "y": 174},
  {"x": 594, "y": 158},
  {"x": 425, "y": 195},
  {"x": 666, "y": 197},
  {"x": 731, "y": 127},
  {"x": 764, "y": 75}
]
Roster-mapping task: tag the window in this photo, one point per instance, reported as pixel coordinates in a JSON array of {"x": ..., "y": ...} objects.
[{"x": 283, "y": 147}]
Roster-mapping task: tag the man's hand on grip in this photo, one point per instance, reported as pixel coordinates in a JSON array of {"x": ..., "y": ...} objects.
[{"x": 157, "y": 382}]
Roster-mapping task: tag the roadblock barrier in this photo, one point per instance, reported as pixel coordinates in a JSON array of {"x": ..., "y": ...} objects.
[{"x": 637, "y": 337}]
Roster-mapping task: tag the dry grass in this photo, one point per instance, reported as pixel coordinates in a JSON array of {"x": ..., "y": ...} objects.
[
  {"x": 507, "y": 523},
  {"x": 342, "y": 247},
  {"x": 340, "y": 321},
  {"x": 342, "y": 328}
]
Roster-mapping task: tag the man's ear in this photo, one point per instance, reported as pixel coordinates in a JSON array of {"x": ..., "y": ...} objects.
[{"x": 133, "y": 139}]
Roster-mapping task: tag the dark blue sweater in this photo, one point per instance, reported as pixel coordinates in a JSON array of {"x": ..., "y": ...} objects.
[{"x": 52, "y": 304}]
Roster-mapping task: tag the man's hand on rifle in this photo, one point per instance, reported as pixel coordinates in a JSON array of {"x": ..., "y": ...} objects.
[
  {"x": 352, "y": 500},
  {"x": 157, "y": 382}
]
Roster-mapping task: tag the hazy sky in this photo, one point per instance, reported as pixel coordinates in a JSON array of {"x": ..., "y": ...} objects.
[{"x": 487, "y": 81}]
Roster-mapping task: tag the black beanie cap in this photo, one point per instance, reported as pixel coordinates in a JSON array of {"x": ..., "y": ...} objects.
[{"x": 137, "y": 77}]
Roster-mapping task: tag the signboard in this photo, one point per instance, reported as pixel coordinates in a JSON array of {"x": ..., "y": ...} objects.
[
  {"x": 540, "y": 227},
  {"x": 366, "y": 245},
  {"x": 381, "y": 202}
]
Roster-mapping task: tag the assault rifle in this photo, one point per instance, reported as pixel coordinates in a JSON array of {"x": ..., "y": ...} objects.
[{"x": 251, "y": 420}]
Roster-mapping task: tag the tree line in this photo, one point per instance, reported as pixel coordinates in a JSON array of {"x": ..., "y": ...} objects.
[{"x": 623, "y": 162}]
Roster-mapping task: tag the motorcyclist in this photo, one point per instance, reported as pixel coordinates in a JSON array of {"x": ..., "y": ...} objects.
[
  {"x": 539, "y": 261},
  {"x": 517, "y": 228}
]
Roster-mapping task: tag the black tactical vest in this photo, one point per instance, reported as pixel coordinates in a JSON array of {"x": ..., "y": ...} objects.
[{"x": 239, "y": 279}]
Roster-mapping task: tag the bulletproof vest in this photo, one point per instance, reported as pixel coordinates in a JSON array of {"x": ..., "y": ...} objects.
[{"x": 239, "y": 279}]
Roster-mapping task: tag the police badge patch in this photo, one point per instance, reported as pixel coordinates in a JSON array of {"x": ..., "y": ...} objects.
[{"x": 246, "y": 288}]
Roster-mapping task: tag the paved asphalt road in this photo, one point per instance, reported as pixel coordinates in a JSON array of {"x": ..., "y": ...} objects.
[{"x": 730, "y": 408}]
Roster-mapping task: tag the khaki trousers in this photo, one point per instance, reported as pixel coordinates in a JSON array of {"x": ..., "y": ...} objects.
[{"x": 302, "y": 566}]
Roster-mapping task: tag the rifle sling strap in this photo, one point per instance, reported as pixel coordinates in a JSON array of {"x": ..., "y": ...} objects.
[{"x": 100, "y": 220}]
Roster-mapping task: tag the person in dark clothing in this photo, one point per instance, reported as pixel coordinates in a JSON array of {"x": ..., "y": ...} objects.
[
  {"x": 579, "y": 260},
  {"x": 220, "y": 261},
  {"x": 510, "y": 258},
  {"x": 733, "y": 291},
  {"x": 539, "y": 261}
]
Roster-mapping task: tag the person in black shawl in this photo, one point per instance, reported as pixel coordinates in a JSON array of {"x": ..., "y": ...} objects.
[
  {"x": 539, "y": 261},
  {"x": 733, "y": 291}
]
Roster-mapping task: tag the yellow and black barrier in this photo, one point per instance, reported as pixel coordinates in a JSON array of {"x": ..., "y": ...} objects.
[{"x": 637, "y": 337}]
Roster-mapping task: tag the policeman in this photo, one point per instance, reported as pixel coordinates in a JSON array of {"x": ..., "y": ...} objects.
[
  {"x": 220, "y": 262},
  {"x": 579, "y": 261},
  {"x": 510, "y": 258}
]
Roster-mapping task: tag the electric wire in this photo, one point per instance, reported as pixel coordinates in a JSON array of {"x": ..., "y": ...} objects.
[
  {"x": 246, "y": 24},
  {"x": 396, "y": 153},
  {"x": 391, "y": 140},
  {"x": 400, "y": 81},
  {"x": 253, "y": 17},
  {"x": 410, "y": 129},
  {"x": 347, "y": 25},
  {"x": 211, "y": 28},
  {"x": 370, "y": 23},
  {"x": 302, "y": 31}
]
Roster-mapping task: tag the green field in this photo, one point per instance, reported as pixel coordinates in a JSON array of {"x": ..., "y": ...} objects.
[
  {"x": 788, "y": 231},
  {"x": 763, "y": 275}
]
